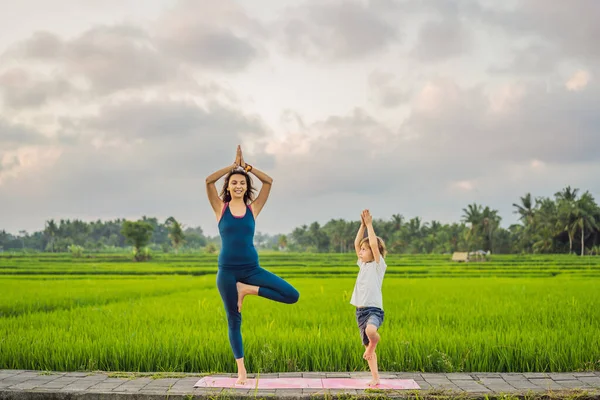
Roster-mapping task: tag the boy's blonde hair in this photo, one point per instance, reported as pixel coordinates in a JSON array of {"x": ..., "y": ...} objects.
[{"x": 380, "y": 244}]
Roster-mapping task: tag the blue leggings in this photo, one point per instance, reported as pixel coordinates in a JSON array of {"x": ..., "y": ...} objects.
[{"x": 270, "y": 286}]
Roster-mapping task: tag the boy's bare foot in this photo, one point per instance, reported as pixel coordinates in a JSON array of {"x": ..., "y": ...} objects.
[
  {"x": 373, "y": 341},
  {"x": 373, "y": 382},
  {"x": 369, "y": 352}
]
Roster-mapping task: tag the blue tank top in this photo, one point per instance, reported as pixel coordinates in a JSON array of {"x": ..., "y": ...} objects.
[{"x": 237, "y": 240}]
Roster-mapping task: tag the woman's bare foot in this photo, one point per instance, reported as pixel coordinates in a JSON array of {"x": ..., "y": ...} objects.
[
  {"x": 242, "y": 378},
  {"x": 242, "y": 290},
  {"x": 373, "y": 382}
]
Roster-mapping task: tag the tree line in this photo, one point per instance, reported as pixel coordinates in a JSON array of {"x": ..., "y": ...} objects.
[{"x": 565, "y": 223}]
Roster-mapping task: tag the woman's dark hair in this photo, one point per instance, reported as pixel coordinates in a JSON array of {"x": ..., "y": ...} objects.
[{"x": 248, "y": 196}]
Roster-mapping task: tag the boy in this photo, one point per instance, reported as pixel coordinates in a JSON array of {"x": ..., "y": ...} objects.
[{"x": 367, "y": 297}]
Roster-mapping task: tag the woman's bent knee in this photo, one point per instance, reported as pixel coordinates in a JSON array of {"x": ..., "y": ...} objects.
[{"x": 293, "y": 296}]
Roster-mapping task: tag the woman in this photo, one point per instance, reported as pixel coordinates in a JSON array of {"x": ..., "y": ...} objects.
[{"x": 239, "y": 272}]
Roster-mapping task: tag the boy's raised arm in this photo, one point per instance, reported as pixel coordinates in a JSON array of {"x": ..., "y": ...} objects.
[
  {"x": 359, "y": 235},
  {"x": 372, "y": 236}
]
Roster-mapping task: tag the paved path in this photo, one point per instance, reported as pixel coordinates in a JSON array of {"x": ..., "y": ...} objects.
[{"x": 40, "y": 385}]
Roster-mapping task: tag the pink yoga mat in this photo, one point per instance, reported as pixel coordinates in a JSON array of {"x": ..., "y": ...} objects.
[
  {"x": 306, "y": 383},
  {"x": 263, "y": 383},
  {"x": 347, "y": 383}
]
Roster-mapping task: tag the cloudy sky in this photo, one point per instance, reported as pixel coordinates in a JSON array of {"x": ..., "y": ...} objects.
[{"x": 122, "y": 108}]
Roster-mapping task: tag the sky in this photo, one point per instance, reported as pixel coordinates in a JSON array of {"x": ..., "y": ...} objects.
[{"x": 120, "y": 109}]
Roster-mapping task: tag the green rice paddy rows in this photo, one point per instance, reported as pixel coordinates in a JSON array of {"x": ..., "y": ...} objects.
[
  {"x": 299, "y": 264},
  {"x": 513, "y": 313}
]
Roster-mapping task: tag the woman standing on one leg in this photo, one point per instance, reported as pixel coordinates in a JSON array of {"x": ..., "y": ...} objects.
[{"x": 239, "y": 271}]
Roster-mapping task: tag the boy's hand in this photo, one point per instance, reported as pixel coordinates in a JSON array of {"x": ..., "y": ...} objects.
[{"x": 366, "y": 217}]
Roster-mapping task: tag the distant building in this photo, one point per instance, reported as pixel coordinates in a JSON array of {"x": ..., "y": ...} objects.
[{"x": 460, "y": 256}]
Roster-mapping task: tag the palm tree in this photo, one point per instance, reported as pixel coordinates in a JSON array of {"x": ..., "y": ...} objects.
[
  {"x": 300, "y": 237},
  {"x": 335, "y": 229},
  {"x": 317, "y": 238},
  {"x": 584, "y": 212},
  {"x": 472, "y": 215},
  {"x": 50, "y": 232},
  {"x": 282, "y": 241},
  {"x": 138, "y": 233},
  {"x": 23, "y": 235},
  {"x": 414, "y": 229},
  {"x": 398, "y": 243},
  {"x": 397, "y": 221},
  {"x": 545, "y": 241},
  {"x": 545, "y": 222},
  {"x": 175, "y": 233},
  {"x": 566, "y": 212},
  {"x": 525, "y": 209},
  {"x": 490, "y": 220},
  {"x": 567, "y": 194},
  {"x": 526, "y": 213},
  {"x": 456, "y": 232}
]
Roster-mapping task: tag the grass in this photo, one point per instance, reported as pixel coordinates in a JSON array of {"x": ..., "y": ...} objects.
[{"x": 500, "y": 316}]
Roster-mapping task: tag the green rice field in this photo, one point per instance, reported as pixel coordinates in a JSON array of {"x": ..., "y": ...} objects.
[{"x": 105, "y": 312}]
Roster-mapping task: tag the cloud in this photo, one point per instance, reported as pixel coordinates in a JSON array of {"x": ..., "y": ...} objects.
[
  {"x": 133, "y": 157},
  {"x": 464, "y": 185},
  {"x": 20, "y": 89},
  {"x": 27, "y": 159},
  {"x": 338, "y": 30},
  {"x": 537, "y": 164},
  {"x": 178, "y": 135},
  {"x": 124, "y": 119},
  {"x": 459, "y": 144},
  {"x": 107, "y": 58},
  {"x": 578, "y": 81},
  {"x": 24, "y": 150},
  {"x": 538, "y": 35},
  {"x": 532, "y": 59},
  {"x": 385, "y": 90},
  {"x": 554, "y": 127},
  {"x": 440, "y": 40},
  {"x": 211, "y": 35},
  {"x": 15, "y": 135},
  {"x": 572, "y": 27},
  {"x": 547, "y": 34},
  {"x": 190, "y": 37},
  {"x": 41, "y": 46},
  {"x": 453, "y": 135},
  {"x": 329, "y": 155},
  {"x": 118, "y": 57}
]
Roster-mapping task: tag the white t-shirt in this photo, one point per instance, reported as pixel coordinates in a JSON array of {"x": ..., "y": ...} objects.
[{"x": 367, "y": 290}]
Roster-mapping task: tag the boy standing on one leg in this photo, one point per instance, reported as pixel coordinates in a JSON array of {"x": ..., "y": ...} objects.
[{"x": 367, "y": 297}]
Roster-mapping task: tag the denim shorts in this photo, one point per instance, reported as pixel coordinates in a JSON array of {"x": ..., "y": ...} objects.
[{"x": 368, "y": 316}]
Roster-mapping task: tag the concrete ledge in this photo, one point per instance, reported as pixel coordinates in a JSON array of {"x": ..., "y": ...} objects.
[
  {"x": 44, "y": 385},
  {"x": 299, "y": 394}
]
